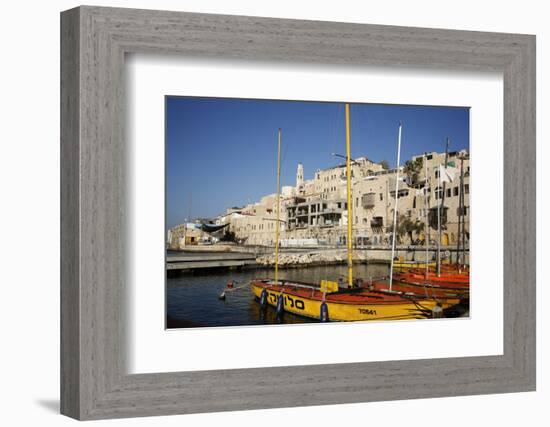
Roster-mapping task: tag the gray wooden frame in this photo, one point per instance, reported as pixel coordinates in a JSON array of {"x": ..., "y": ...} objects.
[{"x": 94, "y": 382}]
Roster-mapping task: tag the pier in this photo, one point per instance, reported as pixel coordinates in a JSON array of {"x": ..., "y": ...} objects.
[
  {"x": 197, "y": 260},
  {"x": 242, "y": 256}
]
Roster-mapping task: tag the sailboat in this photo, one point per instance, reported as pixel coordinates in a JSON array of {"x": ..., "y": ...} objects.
[
  {"x": 398, "y": 283},
  {"x": 444, "y": 277},
  {"x": 328, "y": 301}
]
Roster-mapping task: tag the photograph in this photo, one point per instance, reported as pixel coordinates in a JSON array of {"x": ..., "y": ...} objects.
[{"x": 289, "y": 211}]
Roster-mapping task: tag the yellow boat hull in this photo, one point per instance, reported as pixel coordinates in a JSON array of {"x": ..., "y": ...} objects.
[{"x": 339, "y": 311}]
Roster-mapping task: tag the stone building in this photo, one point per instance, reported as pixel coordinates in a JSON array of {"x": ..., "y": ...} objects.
[
  {"x": 316, "y": 209},
  {"x": 188, "y": 234}
]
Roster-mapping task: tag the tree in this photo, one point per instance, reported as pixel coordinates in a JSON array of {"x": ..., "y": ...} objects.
[
  {"x": 407, "y": 227},
  {"x": 412, "y": 169},
  {"x": 385, "y": 165}
]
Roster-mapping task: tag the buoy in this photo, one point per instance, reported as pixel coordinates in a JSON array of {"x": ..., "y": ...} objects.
[
  {"x": 323, "y": 315},
  {"x": 230, "y": 284},
  {"x": 222, "y": 296},
  {"x": 280, "y": 305},
  {"x": 263, "y": 299}
]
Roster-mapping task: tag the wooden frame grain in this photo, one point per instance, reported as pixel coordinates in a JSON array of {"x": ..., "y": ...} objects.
[{"x": 94, "y": 41}]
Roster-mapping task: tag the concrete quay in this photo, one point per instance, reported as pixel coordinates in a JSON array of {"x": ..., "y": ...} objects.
[{"x": 251, "y": 257}]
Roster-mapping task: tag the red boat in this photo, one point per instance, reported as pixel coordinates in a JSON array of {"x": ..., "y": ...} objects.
[
  {"x": 452, "y": 296},
  {"x": 442, "y": 282}
]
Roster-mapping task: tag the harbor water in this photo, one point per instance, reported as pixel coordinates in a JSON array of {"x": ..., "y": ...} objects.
[{"x": 192, "y": 298}]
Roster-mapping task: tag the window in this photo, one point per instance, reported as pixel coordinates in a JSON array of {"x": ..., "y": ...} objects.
[
  {"x": 438, "y": 193},
  {"x": 356, "y": 203},
  {"x": 448, "y": 192},
  {"x": 466, "y": 188},
  {"x": 455, "y": 191}
]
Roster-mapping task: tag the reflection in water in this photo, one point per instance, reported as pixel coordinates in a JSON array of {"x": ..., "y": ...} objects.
[{"x": 192, "y": 299}]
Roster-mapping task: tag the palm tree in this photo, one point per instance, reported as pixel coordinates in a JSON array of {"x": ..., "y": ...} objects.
[
  {"x": 412, "y": 169},
  {"x": 407, "y": 227}
]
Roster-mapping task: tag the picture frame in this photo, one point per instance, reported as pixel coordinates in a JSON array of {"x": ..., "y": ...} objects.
[{"x": 94, "y": 380}]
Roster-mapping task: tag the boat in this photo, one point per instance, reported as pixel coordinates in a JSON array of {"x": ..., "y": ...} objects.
[
  {"x": 413, "y": 264},
  {"x": 444, "y": 276},
  {"x": 439, "y": 282},
  {"x": 413, "y": 279},
  {"x": 446, "y": 296},
  {"x": 330, "y": 302},
  {"x": 356, "y": 304},
  {"x": 432, "y": 276}
]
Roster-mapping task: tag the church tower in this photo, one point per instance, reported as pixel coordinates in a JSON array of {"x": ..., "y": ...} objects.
[{"x": 299, "y": 176}]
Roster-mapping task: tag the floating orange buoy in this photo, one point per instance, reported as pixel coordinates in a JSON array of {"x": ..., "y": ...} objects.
[{"x": 230, "y": 284}]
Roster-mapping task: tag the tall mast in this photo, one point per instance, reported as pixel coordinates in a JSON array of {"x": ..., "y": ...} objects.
[
  {"x": 395, "y": 206},
  {"x": 463, "y": 223},
  {"x": 461, "y": 214},
  {"x": 277, "y": 207},
  {"x": 426, "y": 225},
  {"x": 350, "y": 216},
  {"x": 439, "y": 190},
  {"x": 439, "y": 208}
]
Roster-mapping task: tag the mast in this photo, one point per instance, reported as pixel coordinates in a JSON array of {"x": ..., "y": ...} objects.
[
  {"x": 439, "y": 188},
  {"x": 350, "y": 216},
  {"x": 426, "y": 225},
  {"x": 461, "y": 214},
  {"x": 277, "y": 208},
  {"x": 395, "y": 206},
  {"x": 440, "y": 207}
]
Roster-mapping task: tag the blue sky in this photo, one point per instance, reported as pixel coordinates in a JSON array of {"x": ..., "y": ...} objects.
[{"x": 223, "y": 152}]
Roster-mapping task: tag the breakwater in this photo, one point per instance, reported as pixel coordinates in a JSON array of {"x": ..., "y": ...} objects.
[{"x": 262, "y": 257}]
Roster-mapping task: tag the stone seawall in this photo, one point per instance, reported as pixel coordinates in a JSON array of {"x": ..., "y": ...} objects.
[
  {"x": 339, "y": 256},
  {"x": 308, "y": 258}
]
